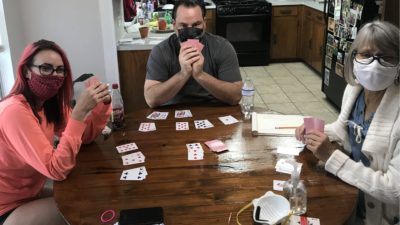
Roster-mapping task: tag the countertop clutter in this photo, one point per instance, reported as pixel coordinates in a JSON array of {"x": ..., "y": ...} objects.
[{"x": 131, "y": 39}]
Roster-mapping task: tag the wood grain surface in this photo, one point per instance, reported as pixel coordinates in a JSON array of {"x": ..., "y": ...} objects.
[{"x": 202, "y": 192}]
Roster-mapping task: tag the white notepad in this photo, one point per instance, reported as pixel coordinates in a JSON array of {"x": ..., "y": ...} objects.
[{"x": 275, "y": 125}]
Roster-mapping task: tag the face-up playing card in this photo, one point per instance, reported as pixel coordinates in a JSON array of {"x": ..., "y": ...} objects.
[
  {"x": 182, "y": 125},
  {"x": 202, "y": 124},
  {"x": 139, "y": 173},
  {"x": 216, "y": 145},
  {"x": 312, "y": 123},
  {"x": 302, "y": 220},
  {"x": 158, "y": 115},
  {"x": 133, "y": 158},
  {"x": 195, "y": 151},
  {"x": 146, "y": 127},
  {"x": 278, "y": 185},
  {"x": 227, "y": 120},
  {"x": 127, "y": 147},
  {"x": 183, "y": 113}
]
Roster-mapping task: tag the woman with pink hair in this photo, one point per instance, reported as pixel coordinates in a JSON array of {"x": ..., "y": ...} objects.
[{"x": 36, "y": 110}]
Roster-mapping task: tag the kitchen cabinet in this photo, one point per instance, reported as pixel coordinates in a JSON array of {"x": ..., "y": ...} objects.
[
  {"x": 312, "y": 38},
  {"x": 285, "y": 28},
  {"x": 210, "y": 20},
  {"x": 132, "y": 70}
]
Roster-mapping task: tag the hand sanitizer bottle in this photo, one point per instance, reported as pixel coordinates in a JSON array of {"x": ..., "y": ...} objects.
[{"x": 295, "y": 191}]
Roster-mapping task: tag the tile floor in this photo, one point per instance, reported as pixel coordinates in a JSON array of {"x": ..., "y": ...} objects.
[{"x": 290, "y": 88}]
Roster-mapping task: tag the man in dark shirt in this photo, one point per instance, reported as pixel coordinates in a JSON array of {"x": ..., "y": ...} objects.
[{"x": 178, "y": 74}]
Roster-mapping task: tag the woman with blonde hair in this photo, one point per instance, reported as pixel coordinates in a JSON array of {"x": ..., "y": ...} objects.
[{"x": 362, "y": 147}]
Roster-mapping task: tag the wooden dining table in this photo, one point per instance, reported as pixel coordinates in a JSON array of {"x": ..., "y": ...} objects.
[{"x": 201, "y": 192}]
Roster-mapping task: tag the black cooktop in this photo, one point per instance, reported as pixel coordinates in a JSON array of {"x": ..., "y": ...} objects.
[
  {"x": 240, "y": 2},
  {"x": 242, "y": 7}
]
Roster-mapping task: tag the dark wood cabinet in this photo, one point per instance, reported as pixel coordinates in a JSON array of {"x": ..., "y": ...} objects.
[
  {"x": 312, "y": 37},
  {"x": 210, "y": 21},
  {"x": 132, "y": 70},
  {"x": 285, "y": 29}
]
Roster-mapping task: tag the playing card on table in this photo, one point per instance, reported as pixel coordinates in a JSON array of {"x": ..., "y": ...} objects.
[
  {"x": 126, "y": 147},
  {"x": 133, "y": 158},
  {"x": 287, "y": 150},
  {"x": 216, "y": 145},
  {"x": 195, "y": 151},
  {"x": 183, "y": 113},
  {"x": 146, "y": 127},
  {"x": 283, "y": 166},
  {"x": 182, "y": 125},
  {"x": 227, "y": 120},
  {"x": 139, "y": 173},
  {"x": 278, "y": 185},
  {"x": 202, "y": 124},
  {"x": 158, "y": 115},
  {"x": 302, "y": 220}
]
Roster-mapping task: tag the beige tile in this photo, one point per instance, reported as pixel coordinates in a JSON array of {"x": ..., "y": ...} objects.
[
  {"x": 263, "y": 82},
  {"x": 255, "y": 71},
  {"x": 302, "y": 97},
  {"x": 260, "y": 105},
  {"x": 278, "y": 97},
  {"x": 293, "y": 88},
  {"x": 295, "y": 66},
  {"x": 274, "y": 67},
  {"x": 330, "y": 106},
  {"x": 319, "y": 94},
  {"x": 311, "y": 107},
  {"x": 285, "y": 108},
  {"x": 280, "y": 74},
  {"x": 285, "y": 80},
  {"x": 327, "y": 116},
  {"x": 269, "y": 89},
  {"x": 257, "y": 98}
]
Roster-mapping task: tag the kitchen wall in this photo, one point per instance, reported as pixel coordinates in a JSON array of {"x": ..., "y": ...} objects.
[{"x": 85, "y": 29}]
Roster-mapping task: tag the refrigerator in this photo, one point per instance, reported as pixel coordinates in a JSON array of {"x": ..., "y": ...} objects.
[{"x": 343, "y": 20}]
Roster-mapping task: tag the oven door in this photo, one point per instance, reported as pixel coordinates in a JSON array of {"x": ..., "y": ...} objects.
[{"x": 250, "y": 36}]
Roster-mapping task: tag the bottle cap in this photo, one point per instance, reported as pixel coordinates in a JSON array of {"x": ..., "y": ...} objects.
[{"x": 114, "y": 86}]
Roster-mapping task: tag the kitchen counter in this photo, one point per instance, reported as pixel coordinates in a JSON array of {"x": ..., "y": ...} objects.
[
  {"x": 310, "y": 3},
  {"x": 132, "y": 41}
]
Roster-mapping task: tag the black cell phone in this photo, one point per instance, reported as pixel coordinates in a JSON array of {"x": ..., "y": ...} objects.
[{"x": 142, "y": 216}]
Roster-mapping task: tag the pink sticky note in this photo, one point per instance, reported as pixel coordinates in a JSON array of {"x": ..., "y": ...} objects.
[{"x": 312, "y": 123}]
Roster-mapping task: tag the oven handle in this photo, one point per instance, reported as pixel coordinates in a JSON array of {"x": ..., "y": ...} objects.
[{"x": 253, "y": 17}]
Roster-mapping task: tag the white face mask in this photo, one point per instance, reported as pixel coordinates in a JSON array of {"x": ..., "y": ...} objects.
[{"x": 374, "y": 76}]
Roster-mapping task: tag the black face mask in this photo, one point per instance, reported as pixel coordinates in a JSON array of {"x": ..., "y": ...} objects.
[{"x": 189, "y": 33}]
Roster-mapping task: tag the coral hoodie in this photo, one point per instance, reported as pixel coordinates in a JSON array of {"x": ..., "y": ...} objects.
[{"x": 27, "y": 155}]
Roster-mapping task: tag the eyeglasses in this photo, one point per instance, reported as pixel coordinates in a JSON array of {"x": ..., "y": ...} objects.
[
  {"x": 47, "y": 69},
  {"x": 367, "y": 58}
]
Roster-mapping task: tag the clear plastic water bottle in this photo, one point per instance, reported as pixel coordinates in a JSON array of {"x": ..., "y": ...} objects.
[
  {"x": 117, "y": 115},
  {"x": 247, "y": 98}
]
